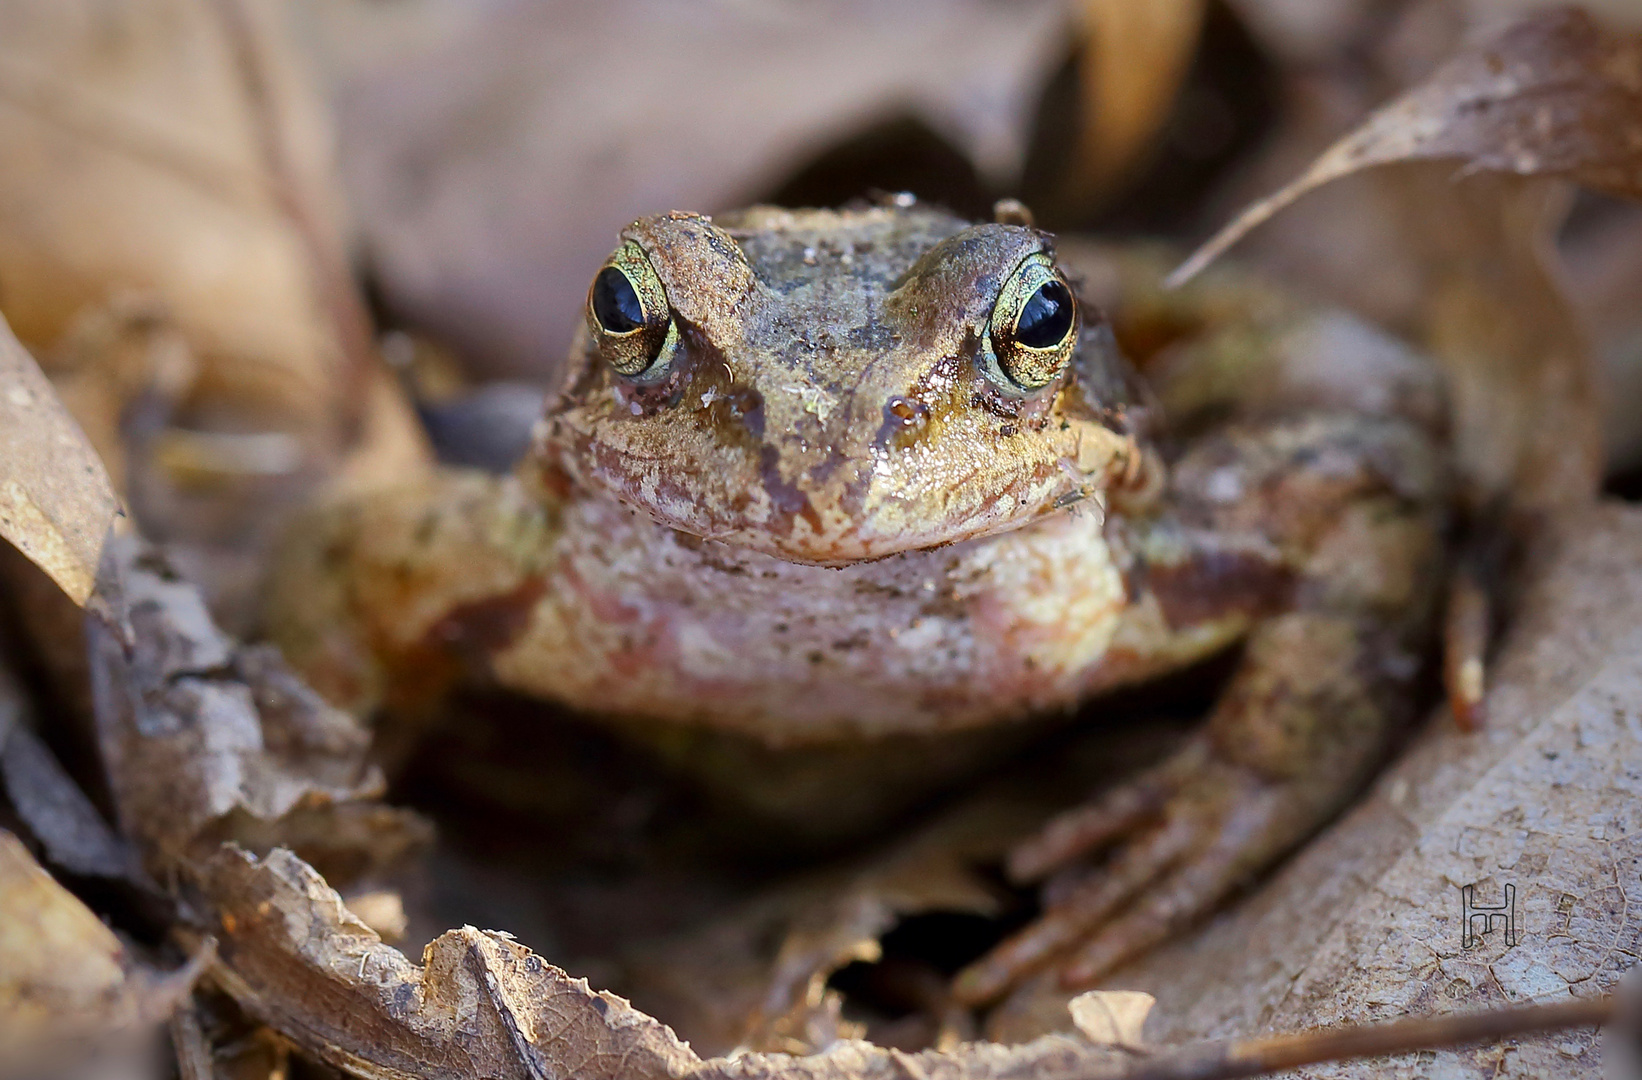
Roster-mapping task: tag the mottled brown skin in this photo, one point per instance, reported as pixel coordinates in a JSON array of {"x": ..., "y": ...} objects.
[{"x": 826, "y": 519}]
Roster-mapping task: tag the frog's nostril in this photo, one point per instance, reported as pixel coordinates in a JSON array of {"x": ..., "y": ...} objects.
[{"x": 909, "y": 413}]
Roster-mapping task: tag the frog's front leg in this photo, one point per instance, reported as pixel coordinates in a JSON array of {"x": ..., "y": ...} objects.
[
  {"x": 1354, "y": 503},
  {"x": 380, "y": 598}
]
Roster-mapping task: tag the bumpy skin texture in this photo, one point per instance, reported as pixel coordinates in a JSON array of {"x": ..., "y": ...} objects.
[{"x": 826, "y": 519}]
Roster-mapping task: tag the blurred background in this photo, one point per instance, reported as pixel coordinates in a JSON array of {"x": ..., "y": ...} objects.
[{"x": 221, "y": 171}]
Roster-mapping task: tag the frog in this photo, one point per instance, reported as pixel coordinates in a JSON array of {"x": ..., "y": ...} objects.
[{"x": 835, "y": 477}]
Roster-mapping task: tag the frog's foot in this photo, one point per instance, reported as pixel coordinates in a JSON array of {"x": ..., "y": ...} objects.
[{"x": 1187, "y": 833}]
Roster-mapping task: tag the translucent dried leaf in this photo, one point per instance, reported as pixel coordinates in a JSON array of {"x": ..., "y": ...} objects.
[
  {"x": 1555, "y": 95},
  {"x": 1523, "y": 389},
  {"x": 56, "y": 503},
  {"x": 134, "y": 163}
]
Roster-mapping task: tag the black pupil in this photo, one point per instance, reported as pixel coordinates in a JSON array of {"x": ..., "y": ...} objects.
[
  {"x": 616, "y": 303},
  {"x": 1046, "y": 318}
]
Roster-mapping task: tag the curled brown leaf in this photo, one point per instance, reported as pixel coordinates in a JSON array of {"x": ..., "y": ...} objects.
[
  {"x": 481, "y": 1004},
  {"x": 1554, "y": 95}
]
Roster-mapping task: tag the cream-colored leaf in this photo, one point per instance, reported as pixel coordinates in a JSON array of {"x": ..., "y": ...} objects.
[
  {"x": 1112, "y": 1017},
  {"x": 67, "y": 984},
  {"x": 56, "y": 503}
]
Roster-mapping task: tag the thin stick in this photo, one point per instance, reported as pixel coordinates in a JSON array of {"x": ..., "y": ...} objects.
[
  {"x": 1465, "y": 647},
  {"x": 1252, "y": 1057},
  {"x": 338, "y": 292}
]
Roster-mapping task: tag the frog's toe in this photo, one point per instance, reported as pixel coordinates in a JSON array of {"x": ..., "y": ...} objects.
[
  {"x": 1229, "y": 845},
  {"x": 1189, "y": 831},
  {"x": 1116, "y": 813},
  {"x": 1075, "y": 914}
]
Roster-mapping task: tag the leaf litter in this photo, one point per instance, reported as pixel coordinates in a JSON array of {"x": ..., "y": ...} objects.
[{"x": 239, "y": 786}]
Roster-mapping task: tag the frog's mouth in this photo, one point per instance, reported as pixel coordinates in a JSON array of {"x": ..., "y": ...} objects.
[{"x": 878, "y": 478}]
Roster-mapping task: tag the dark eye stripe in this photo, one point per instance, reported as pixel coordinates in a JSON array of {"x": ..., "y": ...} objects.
[{"x": 616, "y": 303}]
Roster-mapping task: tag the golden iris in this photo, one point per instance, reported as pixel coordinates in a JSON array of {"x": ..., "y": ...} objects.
[
  {"x": 628, "y": 314},
  {"x": 1029, "y": 338}
]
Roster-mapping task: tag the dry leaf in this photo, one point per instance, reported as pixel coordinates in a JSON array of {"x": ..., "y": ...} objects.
[
  {"x": 491, "y": 154},
  {"x": 67, "y": 985},
  {"x": 1555, "y": 95},
  {"x": 171, "y": 244},
  {"x": 1603, "y": 260},
  {"x": 56, "y": 504},
  {"x": 1112, "y": 1017},
  {"x": 206, "y": 739},
  {"x": 483, "y": 1005},
  {"x": 1366, "y": 923},
  {"x": 135, "y": 163},
  {"x": 1526, "y": 415}
]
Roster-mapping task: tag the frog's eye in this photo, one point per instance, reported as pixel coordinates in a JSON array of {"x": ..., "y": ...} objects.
[
  {"x": 1028, "y": 340},
  {"x": 628, "y": 314}
]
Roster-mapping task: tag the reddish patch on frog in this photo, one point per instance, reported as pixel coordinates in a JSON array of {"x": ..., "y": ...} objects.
[
  {"x": 1214, "y": 584},
  {"x": 491, "y": 624},
  {"x": 458, "y": 643},
  {"x": 643, "y": 639},
  {"x": 555, "y": 481},
  {"x": 648, "y": 647}
]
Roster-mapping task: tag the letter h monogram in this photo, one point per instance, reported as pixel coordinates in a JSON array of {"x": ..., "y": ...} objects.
[{"x": 1505, "y": 914}]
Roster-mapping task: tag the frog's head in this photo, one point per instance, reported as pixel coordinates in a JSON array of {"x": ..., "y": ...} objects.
[{"x": 832, "y": 386}]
